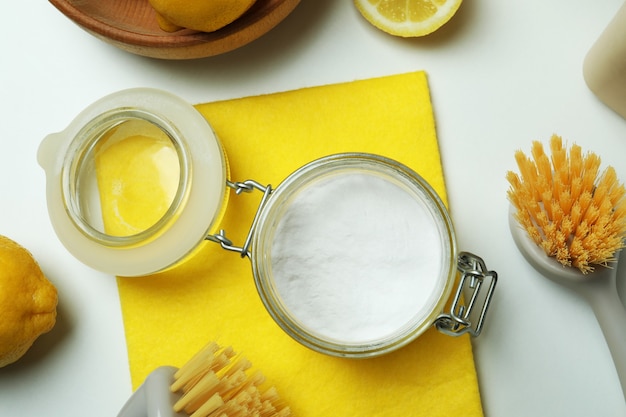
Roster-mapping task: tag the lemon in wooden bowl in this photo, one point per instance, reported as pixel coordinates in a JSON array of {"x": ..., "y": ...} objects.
[{"x": 133, "y": 25}]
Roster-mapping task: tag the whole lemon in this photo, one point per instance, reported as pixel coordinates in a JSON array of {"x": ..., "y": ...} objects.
[
  {"x": 201, "y": 15},
  {"x": 28, "y": 301}
]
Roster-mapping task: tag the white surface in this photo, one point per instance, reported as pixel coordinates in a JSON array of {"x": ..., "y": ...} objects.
[{"x": 501, "y": 73}]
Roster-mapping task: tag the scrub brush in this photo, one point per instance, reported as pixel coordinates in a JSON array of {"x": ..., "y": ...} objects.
[
  {"x": 215, "y": 383},
  {"x": 569, "y": 221}
]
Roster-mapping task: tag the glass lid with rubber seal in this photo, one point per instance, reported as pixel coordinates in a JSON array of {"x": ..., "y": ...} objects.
[{"x": 135, "y": 182}]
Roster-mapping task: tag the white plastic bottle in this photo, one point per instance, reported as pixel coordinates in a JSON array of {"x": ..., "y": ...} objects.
[{"x": 604, "y": 68}]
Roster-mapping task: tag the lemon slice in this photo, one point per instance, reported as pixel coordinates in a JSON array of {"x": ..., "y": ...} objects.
[{"x": 408, "y": 18}]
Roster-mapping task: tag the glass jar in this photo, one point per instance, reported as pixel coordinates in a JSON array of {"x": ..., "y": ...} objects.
[{"x": 352, "y": 255}]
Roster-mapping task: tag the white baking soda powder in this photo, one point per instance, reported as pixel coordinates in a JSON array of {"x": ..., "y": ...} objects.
[{"x": 356, "y": 257}]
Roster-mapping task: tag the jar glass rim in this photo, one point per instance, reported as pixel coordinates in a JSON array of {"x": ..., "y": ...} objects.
[{"x": 275, "y": 208}]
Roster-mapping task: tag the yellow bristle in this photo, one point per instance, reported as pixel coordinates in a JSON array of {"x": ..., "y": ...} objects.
[
  {"x": 196, "y": 367},
  {"x": 205, "y": 388},
  {"x": 216, "y": 383},
  {"x": 209, "y": 406},
  {"x": 574, "y": 212},
  {"x": 239, "y": 363}
]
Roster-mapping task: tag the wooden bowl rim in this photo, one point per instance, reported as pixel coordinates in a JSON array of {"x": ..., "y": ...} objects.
[{"x": 180, "y": 39}]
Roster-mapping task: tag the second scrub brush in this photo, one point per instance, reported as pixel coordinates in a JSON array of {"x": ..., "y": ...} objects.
[{"x": 216, "y": 382}]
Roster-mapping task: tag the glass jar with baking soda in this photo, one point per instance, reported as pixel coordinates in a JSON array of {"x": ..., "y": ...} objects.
[{"x": 353, "y": 254}]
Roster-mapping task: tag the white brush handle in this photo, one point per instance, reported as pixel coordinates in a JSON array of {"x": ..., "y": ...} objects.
[
  {"x": 599, "y": 288},
  {"x": 153, "y": 398},
  {"x": 602, "y": 295}
]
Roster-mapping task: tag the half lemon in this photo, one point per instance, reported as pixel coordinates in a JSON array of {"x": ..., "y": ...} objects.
[{"x": 408, "y": 18}]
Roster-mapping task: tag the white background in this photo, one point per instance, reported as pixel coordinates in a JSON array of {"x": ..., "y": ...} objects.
[{"x": 502, "y": 73}]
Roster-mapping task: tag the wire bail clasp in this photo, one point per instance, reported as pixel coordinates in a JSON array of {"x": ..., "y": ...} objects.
[
  {"x": 474, "y": 277},
  {"x": 247, "y": 186}
]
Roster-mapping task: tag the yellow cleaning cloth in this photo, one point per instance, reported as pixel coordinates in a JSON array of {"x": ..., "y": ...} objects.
[{"x": 170, "y": 316}]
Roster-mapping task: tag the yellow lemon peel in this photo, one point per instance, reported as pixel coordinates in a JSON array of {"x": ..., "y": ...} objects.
[
  {"x": 28, "y": 301},
  {"x": 200, "y": 15},
  {"x": 408, "y": 18}
]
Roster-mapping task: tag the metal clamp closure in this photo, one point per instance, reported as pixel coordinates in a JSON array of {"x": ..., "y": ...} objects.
[
  {"x": 239, "y": 187},
  {"x": 469, "y": 317}
]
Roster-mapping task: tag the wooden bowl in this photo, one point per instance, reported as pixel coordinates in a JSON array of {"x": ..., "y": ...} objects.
[{"x": 131, "y": 25}]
